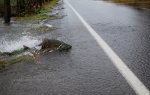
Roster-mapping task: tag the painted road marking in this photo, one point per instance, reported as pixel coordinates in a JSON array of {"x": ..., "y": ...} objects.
[{"x": 130, "y": 77}]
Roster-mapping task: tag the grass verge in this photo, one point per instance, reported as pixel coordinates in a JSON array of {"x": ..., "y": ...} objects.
[
  {"x": 41, "y": 14},
  {"x": 141, "y": 4}
]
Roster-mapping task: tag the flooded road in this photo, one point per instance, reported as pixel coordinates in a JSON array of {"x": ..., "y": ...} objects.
[
  {"x": 86, "y": 69},
  {"x": 14, "y": 36},
  {"x": 125, "y": 29}
]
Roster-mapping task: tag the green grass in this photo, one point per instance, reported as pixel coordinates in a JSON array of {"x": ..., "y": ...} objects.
[
  {"x": 31, "y": 17},
  {"x": 12, "y": 1},
  {"x": 1, "y": 1},
  {"x": 41, "y": 14}
]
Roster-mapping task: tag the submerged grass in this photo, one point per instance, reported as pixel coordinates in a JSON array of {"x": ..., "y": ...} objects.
[
  {"x": 5, "y": 62},
  {"x": 41, "y": 14},
  {"x": 15, "y": 52},
  {"x": 34, "y": 58}
]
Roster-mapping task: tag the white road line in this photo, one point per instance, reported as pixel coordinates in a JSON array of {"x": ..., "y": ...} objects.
[{"x": 130, "y": 77}]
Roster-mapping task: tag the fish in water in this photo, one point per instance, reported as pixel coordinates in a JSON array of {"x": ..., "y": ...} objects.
[{"x": 51, "y": 44}]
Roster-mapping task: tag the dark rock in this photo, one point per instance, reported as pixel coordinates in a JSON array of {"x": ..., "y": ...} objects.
[{"x": 51, "y": 44}]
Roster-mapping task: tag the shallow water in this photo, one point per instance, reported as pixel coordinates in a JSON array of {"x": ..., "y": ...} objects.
[{"x": 14, "y": 36}]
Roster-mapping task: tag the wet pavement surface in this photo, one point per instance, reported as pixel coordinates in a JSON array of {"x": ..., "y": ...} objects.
[
  {"x": 125, "y": 29},
  {"x": 85, "y": 69}
]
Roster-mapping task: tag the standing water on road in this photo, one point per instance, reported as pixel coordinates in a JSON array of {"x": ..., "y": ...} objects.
[
  {"x": 14, "y": 36},
  {"x": 86, "y": 69}
]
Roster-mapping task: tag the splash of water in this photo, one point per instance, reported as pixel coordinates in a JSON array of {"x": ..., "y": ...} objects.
[{"x": 9, "y": 46}]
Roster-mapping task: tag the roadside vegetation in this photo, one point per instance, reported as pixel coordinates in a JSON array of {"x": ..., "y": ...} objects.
[
  {"x": 1, "y": 1},
  {"x": 12, "y": 58},
  {"x": 36, "y": 12},
  {"x": 29, "y": 9},
  {"x": 40, "y": 14},
  {"x": 33, "y": 55},
  {"x": 142, "y": 4}
]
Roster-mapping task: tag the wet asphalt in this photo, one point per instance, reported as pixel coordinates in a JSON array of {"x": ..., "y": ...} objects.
[{"x": 85, "y": 69}]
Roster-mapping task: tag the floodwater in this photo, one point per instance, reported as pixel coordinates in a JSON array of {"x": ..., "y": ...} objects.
[
  {"x": 85, "y": 69},
  {"x": 14, "y": 36}
]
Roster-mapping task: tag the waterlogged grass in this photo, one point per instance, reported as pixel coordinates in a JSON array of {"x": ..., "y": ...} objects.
[
  {"x": 2, "y": 64},
  {"x": 41, "y": 14},
  {"x": 15, "y": 52},
  {"x": 31, "y": 17},
  {"x": 6, "y": 62},
  {"x": 17, "y": 59}
]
